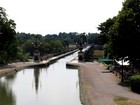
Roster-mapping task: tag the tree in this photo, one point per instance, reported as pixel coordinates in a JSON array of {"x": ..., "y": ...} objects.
[
  {"x": 122, "y": 36},
  {"x": 104, "y": 38},
  {"x": 125, "y": 33},
  {"x": 8, "y": 40},
  {"x": 56, "y": 46},
  {"x": 104, "y": 30},
  {"x": 92, "y": 38}
]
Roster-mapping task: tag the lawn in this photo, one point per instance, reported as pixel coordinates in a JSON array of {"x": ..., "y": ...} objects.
[{"x": 126, "y": 101}]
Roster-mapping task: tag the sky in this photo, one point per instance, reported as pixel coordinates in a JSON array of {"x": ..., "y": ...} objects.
[{"x": 54, "y": 16}]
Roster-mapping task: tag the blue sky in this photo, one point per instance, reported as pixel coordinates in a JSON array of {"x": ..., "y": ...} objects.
[{"x": 54, "y": 16}]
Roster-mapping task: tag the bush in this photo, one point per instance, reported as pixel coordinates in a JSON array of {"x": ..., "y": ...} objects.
[{"x": 135, "y": 83}]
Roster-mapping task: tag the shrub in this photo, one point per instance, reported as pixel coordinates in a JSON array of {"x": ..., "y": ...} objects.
[{"x": 135, "y": 83}]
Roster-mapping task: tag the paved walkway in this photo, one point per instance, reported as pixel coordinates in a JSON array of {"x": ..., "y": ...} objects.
[{"x": 99, "y": 86}]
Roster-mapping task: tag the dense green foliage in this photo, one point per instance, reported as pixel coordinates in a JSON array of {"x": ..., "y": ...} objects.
[
  {"x": 135, "y": 83},
  {"x": 104, "y": 38},
  {"x": 121, "y": 34},
  {"x": 8, "y": 41},
  {"x": 54, "y": 43}
]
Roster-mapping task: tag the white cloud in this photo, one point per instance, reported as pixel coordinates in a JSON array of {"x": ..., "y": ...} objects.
[{"x": 53, "y": 16}]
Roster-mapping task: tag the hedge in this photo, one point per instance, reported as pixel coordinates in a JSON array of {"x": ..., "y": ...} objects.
[{"x": 135, "y": 83}]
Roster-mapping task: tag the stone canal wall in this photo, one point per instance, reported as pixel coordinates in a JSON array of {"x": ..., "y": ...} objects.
[{"x": 14, "y": 67}]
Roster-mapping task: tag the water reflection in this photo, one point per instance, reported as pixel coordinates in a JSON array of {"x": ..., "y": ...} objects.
[
  {"x": 10, "y": 78},
  {"x": 6, "y": 95},
  {"x": 36, "y": 78},
  {"x": 54, "y": 85}
]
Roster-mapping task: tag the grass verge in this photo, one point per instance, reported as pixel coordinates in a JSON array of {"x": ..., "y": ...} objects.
[
  {"x": 98, "y": 54},
  {"x": 125, "y": 101}
]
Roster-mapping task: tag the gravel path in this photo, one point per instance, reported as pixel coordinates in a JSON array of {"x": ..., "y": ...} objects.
[{"x": 99, "y": 86}]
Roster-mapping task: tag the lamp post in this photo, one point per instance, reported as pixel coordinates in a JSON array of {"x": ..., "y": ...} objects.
[
  {"x": 36, "y": 45},
  {"x": 81, "y": 53},
  {"x": 81, "y": 44},
  {"x": 122, "y": 79}
]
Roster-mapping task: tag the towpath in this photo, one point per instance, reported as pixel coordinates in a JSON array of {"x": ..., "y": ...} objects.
[
  {"x": 14, "y": 67},
  {"x": 98, "y": 86}
]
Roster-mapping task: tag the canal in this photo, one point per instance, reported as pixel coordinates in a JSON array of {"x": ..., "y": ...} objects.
[{"x": 52, "y": 85}]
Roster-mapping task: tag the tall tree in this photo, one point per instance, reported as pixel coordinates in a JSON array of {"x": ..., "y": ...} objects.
[
  {"x": 104, "y": 38},
  {"x": 125, "y": 33},
  {"x": 8, "y": 40},
  {"x": 104, "y": 30}
]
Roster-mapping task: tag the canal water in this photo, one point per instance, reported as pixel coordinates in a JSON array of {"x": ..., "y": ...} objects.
[{"x": 53, "y": 85}]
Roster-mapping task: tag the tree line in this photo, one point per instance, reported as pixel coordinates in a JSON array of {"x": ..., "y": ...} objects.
[
  {"x": 120, "y": 35},
  {"x": 53, "y": 43},
  {"x": 15, "y": 46}
]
